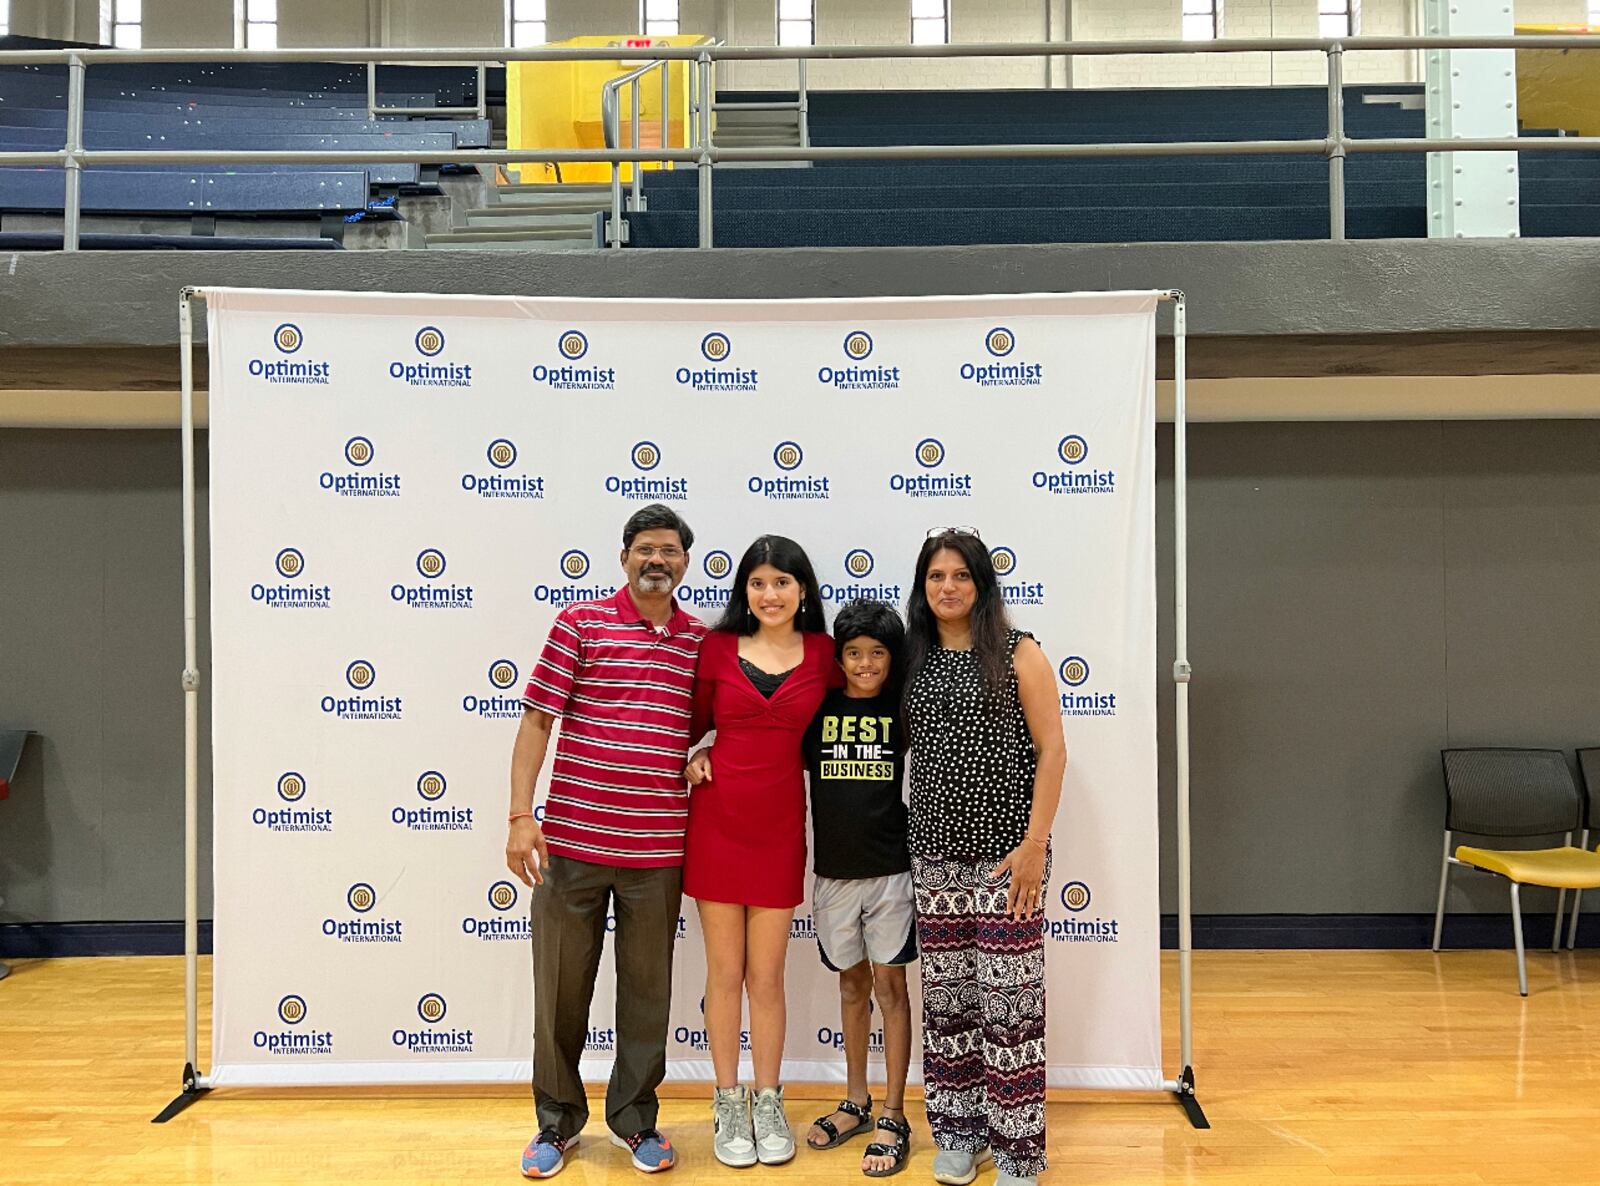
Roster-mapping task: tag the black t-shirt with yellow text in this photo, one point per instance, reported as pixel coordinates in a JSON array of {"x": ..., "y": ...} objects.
[{"x": 855, "y": 753}]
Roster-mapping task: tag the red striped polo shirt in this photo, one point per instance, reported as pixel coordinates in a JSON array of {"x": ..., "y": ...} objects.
[{"x": 623, "y": 689}]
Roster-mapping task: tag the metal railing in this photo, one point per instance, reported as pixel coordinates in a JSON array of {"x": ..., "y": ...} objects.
[{"x": 1335, "y": 146}]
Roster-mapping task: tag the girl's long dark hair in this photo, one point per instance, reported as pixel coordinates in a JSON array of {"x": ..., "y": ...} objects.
[
  {"x": 989, "y": 622},
  {"x": 787, "y": 557}
]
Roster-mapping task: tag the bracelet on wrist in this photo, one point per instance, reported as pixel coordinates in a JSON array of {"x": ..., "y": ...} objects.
[
  {"x": 1041, "y": 843},
  {"x": 516, "y": 815}
]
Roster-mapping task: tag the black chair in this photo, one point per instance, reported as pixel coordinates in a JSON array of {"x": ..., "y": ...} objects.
[
  {"x": 1515, "y": 793},
  {"x": 1589, "y": 770}
]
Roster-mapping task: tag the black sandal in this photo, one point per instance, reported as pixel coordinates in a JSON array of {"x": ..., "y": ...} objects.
[
  {"x": 837, "y": 1138},
  {"x": 900, "y": 1150}
]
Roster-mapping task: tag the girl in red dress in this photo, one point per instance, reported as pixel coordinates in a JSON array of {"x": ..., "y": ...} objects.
[{"x": 762, "y": 673}]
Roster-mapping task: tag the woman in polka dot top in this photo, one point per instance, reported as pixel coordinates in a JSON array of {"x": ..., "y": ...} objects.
[{"x": 987, "y": 756}]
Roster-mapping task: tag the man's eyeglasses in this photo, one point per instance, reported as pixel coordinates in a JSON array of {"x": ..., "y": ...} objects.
[
  {"x": 936, "y": 532},
  {"x": 650, "y": 552}
]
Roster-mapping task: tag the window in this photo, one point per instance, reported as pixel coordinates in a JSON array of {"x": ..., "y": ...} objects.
[
  {"x": 660, "y": 18},
  {"x": 930, "y": 22},
  {"x": 1202, "y": 19},
  {"x": 1594, "y": 14},
  {"x": 1336, "y": 18},
  {"x": 797, "y": 22},
  {"x": 5, "y": 17},
  {"x": 526, "y": 20},
  {"x": 261, "y": 24},
  {"x": 127, "y": 28}
]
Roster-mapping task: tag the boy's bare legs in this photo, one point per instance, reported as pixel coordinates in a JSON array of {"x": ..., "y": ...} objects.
[
  {"x": 889, "y": 987},
  {"x": 855, "y": 1015}
]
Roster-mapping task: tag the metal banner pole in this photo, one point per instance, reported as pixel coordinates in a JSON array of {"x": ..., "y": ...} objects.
[
  {"x": 193, "y": 1087},
  {"x": 1180, "y": 676}
]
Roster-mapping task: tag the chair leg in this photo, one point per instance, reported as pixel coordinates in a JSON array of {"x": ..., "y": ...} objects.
[
  {"x": 1444, "y": 884},
  {"x": 1577, "y": 903},
  {"x": 1516, "y": 930},
  {"x": 1561, "y": 901}
]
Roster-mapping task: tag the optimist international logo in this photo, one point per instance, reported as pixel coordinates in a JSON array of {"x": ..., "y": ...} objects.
[
  {"x": 717, "y": 565},
  {"x": 1075, "y": 896},
  {"x": 502, "y": 453},
  {"x": 502, "y": 895},
  {"x": 430, "y": 340},
  {"x": 430, "y": 563},
  {"x": 574, "y": 565},
  {"x": 360, "y": 674},
  {"x": 290, "y": 563},
  {"x": 1004, "y": 561},
  {"x": 930, "y": 452},
  {"x": 358, "y": 451},
  {"x": 646, "y": 455},
  {"x": 291, "y": 786},
  {"x": 857, "y": 344},
  {"x": 288, "y": 338},
  {"x": 431, "y": 785},
  {"x": 1072, "y": 449},
  {"x": 788, "y": 455},
  {"x": 716, "y": 347},
  {"x": 431, "y": 1007},
  {"x": 858, "y": 563},
  {"x": 573, "y": 345},
  {"x": 502, "y": 673},
  {"x": 1074, "y": 671},
  {"x": 292, "y": 1009},
  {"x": 361, "y": 897},
  {"x": 1000, "y": 341}
]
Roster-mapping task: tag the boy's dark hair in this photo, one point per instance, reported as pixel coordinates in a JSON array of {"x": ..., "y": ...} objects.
[
  {"x": 876, "y": 620},
  {"x": 656, "y": 517}
]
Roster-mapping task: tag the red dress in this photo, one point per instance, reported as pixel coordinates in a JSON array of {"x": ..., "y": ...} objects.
[{"x": 746, "y": 842}]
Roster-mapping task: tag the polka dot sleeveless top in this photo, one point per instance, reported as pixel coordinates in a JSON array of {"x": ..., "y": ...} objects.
[{"x": 972, "y": 758}]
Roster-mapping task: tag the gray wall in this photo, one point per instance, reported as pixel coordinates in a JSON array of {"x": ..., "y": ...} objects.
[{"x": 1362, "y": 594}]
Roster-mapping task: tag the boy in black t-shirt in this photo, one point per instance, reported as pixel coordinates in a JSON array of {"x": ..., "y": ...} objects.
[{"x": 861, "y": 901}]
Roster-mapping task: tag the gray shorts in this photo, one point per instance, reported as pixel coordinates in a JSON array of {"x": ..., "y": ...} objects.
[{"x": 866, "y": 918}]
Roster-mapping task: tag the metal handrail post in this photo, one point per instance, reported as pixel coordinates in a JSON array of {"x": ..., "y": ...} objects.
[
  {"x": 704, "y": 164},
  {"x": 633, "y": 201},
  {"x": 483, "y": 90},
  {"x": 71, "y": 215},
  {"x": 804, "y": 100},
  {"x": 372, "y": 90},
  {"x": 1336, "y": 142},
  {"x": 614, "y": 239}
]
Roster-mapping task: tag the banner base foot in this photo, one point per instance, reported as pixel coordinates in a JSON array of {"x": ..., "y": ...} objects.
[
  {"x": 1190, "y": 1101},
  {"x": 190, "y": 1094}
]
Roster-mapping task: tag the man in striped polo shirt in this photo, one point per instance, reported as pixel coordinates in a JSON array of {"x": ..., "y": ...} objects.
[{"x": 619, "y": 673}]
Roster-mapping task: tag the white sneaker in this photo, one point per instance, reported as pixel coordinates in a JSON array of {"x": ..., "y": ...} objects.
[
  {"x": 955, "y": 1168},
  {"x": 774, "y": 1141},
  {"x": 731, "y": 1137}
]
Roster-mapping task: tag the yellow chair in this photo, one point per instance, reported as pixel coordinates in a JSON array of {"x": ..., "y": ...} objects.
[{"x": 1515, "y": 793}]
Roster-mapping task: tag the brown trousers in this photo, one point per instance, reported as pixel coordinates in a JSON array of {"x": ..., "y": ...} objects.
[{"x": 569, "y": 924}]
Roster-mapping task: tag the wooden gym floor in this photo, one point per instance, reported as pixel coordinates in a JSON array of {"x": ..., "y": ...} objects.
[{"x": 1335, "y": 1067}]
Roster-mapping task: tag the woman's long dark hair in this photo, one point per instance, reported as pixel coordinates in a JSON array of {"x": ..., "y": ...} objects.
[
  {"x": 787, "y": 557},
  {"x": 989, "y": 623}
]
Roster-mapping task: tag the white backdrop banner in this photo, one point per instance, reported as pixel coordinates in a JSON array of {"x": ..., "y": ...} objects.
[{"x": 404, "y": 490}]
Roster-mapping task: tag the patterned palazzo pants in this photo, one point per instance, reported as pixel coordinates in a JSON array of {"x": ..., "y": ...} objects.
[{"x": 983, "y": 1057}]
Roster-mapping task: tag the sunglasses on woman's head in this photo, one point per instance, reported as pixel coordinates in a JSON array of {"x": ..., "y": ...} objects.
[{"x": 936, "y": 532}]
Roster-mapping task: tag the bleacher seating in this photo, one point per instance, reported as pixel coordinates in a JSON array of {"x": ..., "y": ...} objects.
[
  {"x": 1086, "y": 200},
  {"x": 310, "y": 106}
]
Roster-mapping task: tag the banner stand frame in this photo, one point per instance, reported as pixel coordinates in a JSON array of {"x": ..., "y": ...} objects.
[{"x": 195, "y": 1084}]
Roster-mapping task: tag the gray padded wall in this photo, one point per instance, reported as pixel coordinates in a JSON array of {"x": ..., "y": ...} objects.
[{"x": 1361, "y": 594}]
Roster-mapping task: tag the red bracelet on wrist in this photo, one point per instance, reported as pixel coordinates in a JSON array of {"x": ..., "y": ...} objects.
[{"x": 516, "y": 815}]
